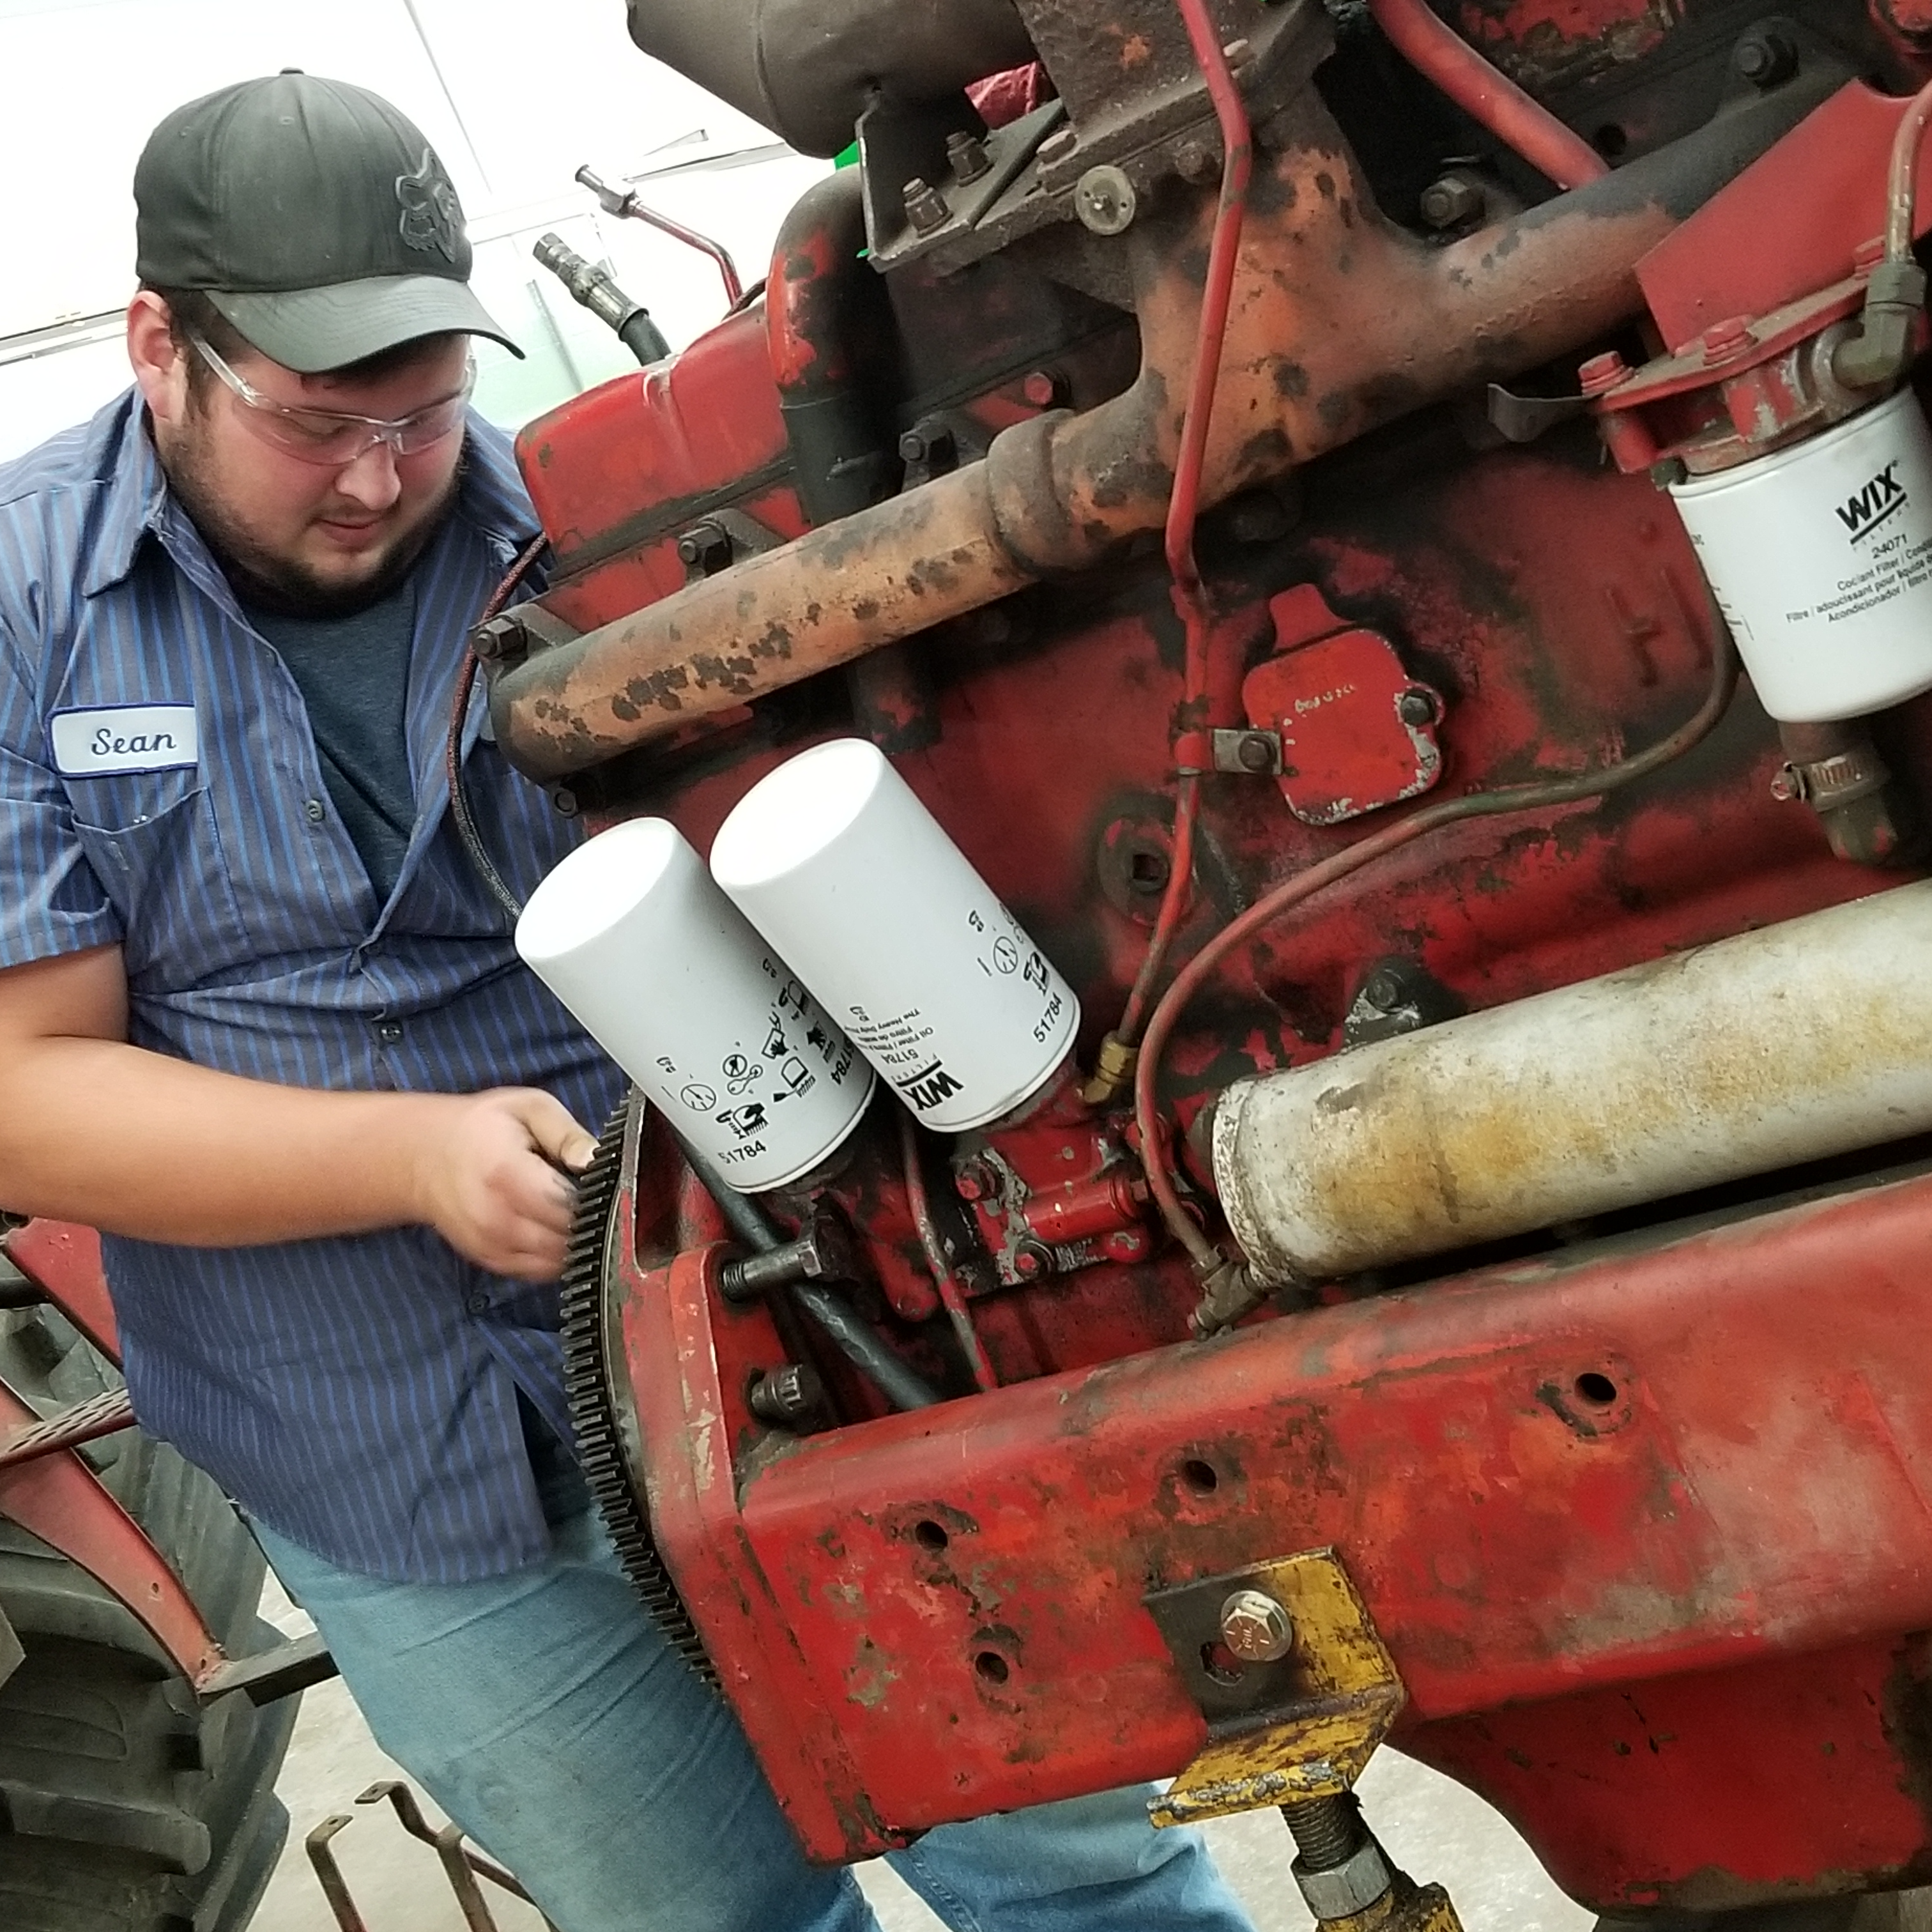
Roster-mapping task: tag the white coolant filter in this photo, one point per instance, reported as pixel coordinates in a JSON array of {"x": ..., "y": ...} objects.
[
  {"x": 663, "y": 972},
  {"x": 840, "y": 866},
  {"x": 1820, "y": 557}
]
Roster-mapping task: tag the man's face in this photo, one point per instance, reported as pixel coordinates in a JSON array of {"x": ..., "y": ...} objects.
[{"x": 313, "y": 539}]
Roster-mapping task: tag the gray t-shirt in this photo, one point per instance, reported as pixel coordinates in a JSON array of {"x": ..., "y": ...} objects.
[{"x": 354, "y": 676}]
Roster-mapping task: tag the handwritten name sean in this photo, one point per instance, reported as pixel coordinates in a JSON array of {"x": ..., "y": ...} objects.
[{"x": 105, "y": 745}]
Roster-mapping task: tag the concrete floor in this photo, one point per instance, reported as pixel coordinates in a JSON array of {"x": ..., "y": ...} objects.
[{"x": 1434, "y": 1829}]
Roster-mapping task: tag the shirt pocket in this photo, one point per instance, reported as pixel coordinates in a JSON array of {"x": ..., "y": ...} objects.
[{"x": 159, "y": 858}]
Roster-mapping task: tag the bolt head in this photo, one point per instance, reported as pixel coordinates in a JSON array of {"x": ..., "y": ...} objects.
[
  {"x": 974, "y": 1181},
  {"x": 1195, "y": 161},
  {"x": 1044, "y": 389},
  {"x": 1764, "y": 58},
  {"x": 1255, "y": 753},
  {"x": 1383, "y": 989},
  {"x": 1062, "y": 141},
  {"x": 1255, "y": 1628},
  {"x": 1417, "y": 707},
  {"x": 1033, "y": 1261},
  {"x": 966, "y": 156},
  {"x": 1602, "y": 373},
  {"x": 1451, "y": 201},
  {"x": 1731, "y": 336}
]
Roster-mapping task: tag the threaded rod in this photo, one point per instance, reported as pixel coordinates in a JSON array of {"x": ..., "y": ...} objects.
[{"x": 1327, "y": 1832}]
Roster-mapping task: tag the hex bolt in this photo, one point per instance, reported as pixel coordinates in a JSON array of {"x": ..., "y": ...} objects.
[
  {"x": 503, "y": 641},
  {"x": 976, "y": 1180},
  {"x": 704, "y": 549},
  {"x": 1451, "y": 201},
  {"x": 930, "y": 443},
  {"x": 1764, "y": 57},
  {"x": 822, "y": 1253},
  {"x": 1384, "y": 990},
  {"x": 1416, "y": 707},
  {"x": 783, "y": 1398},
  {"x": 1105, "y": 200},
  {"x": 1256, "y": 753},
  {"x": 966, "y": 155},
  {"x": 1033, "y": 1261},
  {"x": 1602, "y": 373},
  {"x": 925, "y": 207},
  {"x": 1255, "y": 1628},
  {"x": 1731, "y": 336},
  {"x": 1058, "y": 145}
]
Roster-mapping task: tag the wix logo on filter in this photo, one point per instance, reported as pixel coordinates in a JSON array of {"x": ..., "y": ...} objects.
[
  {"x": 1881, "y": 499},
  {"x": 123, "y": 738}
]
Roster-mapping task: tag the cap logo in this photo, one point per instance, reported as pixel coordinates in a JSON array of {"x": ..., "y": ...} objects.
[{"x": 432, "y": 215}]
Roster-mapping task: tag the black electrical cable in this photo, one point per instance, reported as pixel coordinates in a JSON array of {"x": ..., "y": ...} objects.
[
  {"x": 459, "y": 713},
  {"x": 900, "y": 1385}
]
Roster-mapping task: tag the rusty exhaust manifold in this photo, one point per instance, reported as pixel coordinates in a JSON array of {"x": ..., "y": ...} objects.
[{"x": 1341, "y": 321}]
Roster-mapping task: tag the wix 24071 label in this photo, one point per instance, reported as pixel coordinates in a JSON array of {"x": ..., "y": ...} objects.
[{"x": 94, "y": 743}]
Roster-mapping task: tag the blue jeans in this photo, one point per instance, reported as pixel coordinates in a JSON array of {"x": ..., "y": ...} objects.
[{"x": 546, "y": 1715}]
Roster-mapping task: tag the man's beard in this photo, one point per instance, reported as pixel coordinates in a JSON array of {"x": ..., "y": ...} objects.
[{"x": 280, "y": 585}]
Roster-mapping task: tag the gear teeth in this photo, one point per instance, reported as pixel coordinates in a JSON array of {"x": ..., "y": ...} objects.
[{"x": 586, "y": 1376}]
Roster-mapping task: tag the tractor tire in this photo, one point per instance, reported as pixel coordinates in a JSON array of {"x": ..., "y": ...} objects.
[{"x": 125, "y": 1806}]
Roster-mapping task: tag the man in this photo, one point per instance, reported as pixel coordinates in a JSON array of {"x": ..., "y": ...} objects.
[{"x": 260, "y": 1023}]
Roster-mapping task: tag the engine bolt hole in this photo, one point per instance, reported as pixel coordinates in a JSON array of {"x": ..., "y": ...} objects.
[
  {"x": 930, "y": 1535},
  {"x": 1596, "y": 1388},
  {"x": 992, "y": 1667},
  {"x": 1203, "y": 1478},
  {"x": 1149, "y": 872}
]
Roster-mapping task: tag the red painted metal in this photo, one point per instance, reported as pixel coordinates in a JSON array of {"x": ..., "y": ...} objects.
[
  {"x": 1791, "y": 224},
  {"x": 1335, "y": 693},
  {"x": 64, "y": 1262},
  {"x": 1705, "y": 1456},
  {"x": 59, "y": 1499}
]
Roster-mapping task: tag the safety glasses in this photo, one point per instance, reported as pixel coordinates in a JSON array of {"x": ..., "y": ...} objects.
[{"x": 332, "y": 438}]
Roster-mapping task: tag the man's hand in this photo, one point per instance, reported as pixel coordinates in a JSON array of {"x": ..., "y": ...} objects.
[{"x": 488, "y": 1180}]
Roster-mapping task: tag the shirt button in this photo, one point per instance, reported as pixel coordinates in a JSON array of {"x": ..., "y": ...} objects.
[
  {"x": 317, "y": 812},
  {"x": 478, "y": 1304},
  {"x": 389, "y": 1033}
]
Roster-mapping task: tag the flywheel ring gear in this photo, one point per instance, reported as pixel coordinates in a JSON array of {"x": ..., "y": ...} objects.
[{"x": 593, "y": 1410}]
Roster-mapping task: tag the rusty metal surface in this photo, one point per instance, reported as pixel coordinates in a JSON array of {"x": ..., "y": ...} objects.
[
  {"x": 1307, "y": 368},
  {"x": 1544, "y": 1480},
  {"x": 1304, "y": 1727}
]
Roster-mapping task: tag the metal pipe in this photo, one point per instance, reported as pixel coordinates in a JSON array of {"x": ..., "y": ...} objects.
[
  {"x": 1374, "y": 324},
  {"x": 1488, "y": 96},
  {"x": 628, "y": 207},
  {"x": 1801, "y": 1041}
]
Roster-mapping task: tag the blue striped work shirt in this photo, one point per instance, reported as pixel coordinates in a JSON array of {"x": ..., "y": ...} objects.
[{"x": 358, "y": 1394}]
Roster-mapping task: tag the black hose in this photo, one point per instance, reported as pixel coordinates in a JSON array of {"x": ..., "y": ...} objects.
[{"x": 900, "y": 1385}]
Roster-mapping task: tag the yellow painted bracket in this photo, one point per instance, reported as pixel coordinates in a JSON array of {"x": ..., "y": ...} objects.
[{"x": 1331, "y": 1701}]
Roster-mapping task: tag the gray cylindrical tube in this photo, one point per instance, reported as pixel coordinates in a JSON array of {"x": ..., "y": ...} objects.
[{"x": 1807, "y": 1040}]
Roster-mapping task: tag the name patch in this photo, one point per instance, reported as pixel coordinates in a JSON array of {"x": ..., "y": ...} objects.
[{"x": 123, "y": 738}]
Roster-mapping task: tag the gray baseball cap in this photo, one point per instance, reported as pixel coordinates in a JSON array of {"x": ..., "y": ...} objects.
[{"x": 315, "y": 217}]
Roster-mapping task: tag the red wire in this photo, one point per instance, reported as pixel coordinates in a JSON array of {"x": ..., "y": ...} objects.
[
  {"x": 1190, "y": 595},
  {"x": 1437, "y": 52}
]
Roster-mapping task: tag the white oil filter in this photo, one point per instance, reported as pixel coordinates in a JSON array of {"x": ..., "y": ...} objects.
[
  {"x": 836, "y": 862},
  {"x": 663, "y": 972},
  {"x": 1820, "y": 558}
]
